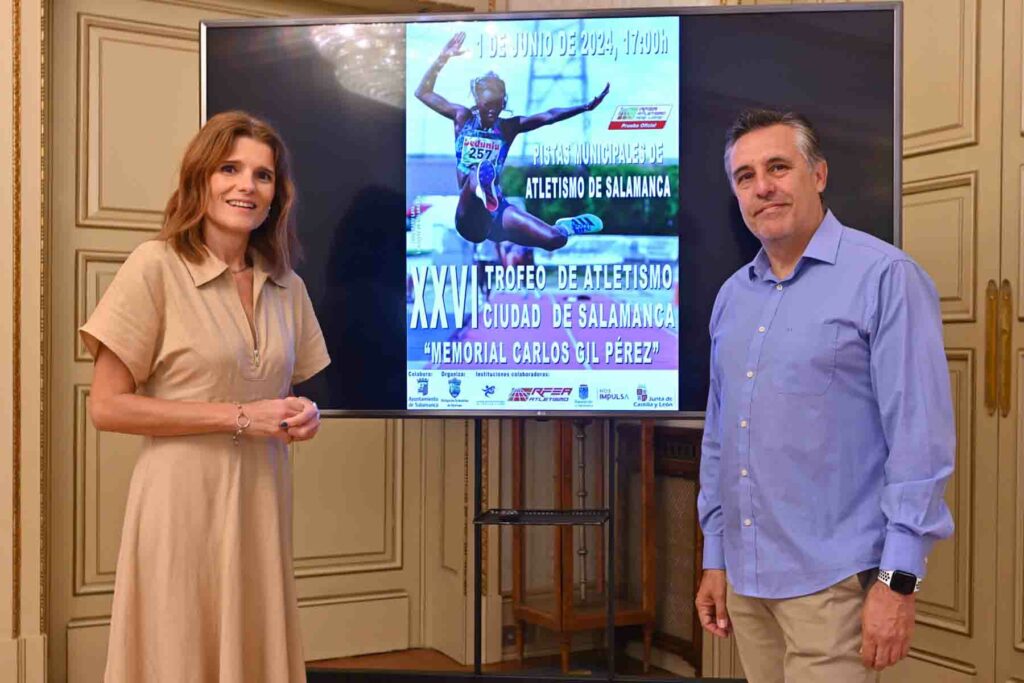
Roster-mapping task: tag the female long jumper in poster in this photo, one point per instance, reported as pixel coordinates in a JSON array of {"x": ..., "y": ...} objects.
[
  {"x": 542, "y": 250},
  {"x": 482, "y": 141}
]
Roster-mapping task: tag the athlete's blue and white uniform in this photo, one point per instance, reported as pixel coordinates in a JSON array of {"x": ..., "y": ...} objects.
[{"x": 475, "y": 144}]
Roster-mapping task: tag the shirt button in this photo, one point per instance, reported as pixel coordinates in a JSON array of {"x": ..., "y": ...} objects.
[
  {"x": 743, "y": 423},
  {"x": 747, "y": 522},
  {"x": 750, "y": 373},
  {"x": 761, "y": 329},
  {"x": 778, "y": 287},
  {"x": 744, "y": 472}
]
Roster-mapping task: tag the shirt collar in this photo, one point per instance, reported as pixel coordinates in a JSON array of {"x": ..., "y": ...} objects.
[
  {"x": 824, "y": 247},
  {"x": 211, "y": 267}
]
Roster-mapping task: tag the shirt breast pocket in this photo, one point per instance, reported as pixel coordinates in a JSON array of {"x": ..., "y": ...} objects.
[{"x": 806, "y": 359}]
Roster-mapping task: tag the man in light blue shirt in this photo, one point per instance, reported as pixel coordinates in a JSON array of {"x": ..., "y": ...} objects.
[{"x": 829, "y": 433}]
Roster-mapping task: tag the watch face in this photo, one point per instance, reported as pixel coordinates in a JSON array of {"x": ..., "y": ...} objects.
[{"x": 902, "y": 582}]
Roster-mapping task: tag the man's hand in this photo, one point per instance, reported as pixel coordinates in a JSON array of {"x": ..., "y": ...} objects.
[
  {"x": 710, "y": 602},
  {"x": 887, "y": 622}
]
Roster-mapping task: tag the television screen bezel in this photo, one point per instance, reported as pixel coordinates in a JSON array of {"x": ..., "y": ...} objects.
[{"x": 893, "y": 6}]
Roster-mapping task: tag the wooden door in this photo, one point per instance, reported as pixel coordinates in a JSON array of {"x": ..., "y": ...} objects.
[{"x": 1009, "y": 609}]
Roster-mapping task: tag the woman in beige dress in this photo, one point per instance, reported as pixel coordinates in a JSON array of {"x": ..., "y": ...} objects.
[{"x": 197, "y": 343}]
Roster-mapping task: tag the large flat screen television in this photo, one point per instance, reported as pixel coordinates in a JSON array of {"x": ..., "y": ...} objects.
[{"x": 557, "y": 249}]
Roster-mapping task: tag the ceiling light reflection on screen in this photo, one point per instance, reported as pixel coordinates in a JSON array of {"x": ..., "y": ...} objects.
[{"x": 368, "y": 59}]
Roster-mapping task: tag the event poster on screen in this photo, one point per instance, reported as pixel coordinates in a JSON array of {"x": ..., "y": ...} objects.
[{"x": 542, "y": 250}]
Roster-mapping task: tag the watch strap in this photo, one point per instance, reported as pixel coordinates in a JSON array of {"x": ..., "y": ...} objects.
[{"x": 885, "y": 576}]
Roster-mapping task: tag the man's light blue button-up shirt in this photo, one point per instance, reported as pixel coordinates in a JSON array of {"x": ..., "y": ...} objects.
[{"x": 829, "y": 433}]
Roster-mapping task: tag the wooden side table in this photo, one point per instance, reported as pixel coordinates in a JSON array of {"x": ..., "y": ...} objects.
[{"x": 558, "y": 611}]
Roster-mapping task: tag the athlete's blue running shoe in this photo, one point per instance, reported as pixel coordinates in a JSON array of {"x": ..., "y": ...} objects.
[
  {"x": 485, "y": 177},
  {"x": 581, "y": 225}
]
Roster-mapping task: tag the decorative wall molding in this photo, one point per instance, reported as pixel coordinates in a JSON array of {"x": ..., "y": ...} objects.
[
  {"x": 44, "y": 322},
  {"x": 947, "y": 204},
  {"x": 943, "y": 662},
  {"x": 390, "y": 554},
  {"x": 466, "y": 488},
  {"x": 321, "y": 600},
  {"x": 238, "y": 10},
  {"x": 454, "y": 519},
  {"x": 923, "y": 80},
  {"x": 98, "y": 482},
  {"x": 484, "y": 485},
  {"x": 1019, "y": 304},
  {"x": 88, "y": 622},
  {"x": 16, "y": 239},
  {"x": 946, "y": 600},
  {"x": 1018, "y": 534},
  {"x": 85, "y": 643},
  {"x": 94, "y": 269},
  {"x": 96, "y": 164}
]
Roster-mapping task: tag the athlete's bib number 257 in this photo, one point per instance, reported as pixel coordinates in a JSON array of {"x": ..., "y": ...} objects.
[{"x": 476, "y": 150}]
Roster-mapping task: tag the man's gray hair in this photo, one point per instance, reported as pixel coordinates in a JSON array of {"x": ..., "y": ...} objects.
[{"x": 749, "y": 120}]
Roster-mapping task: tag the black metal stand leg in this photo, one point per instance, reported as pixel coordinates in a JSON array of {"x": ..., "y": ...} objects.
[
  {"x": 477, "y": 545},
  {"x": 610, "y": 555}
]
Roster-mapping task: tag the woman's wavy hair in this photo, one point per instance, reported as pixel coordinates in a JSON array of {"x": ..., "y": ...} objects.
[{"x": 275, "y": 240}]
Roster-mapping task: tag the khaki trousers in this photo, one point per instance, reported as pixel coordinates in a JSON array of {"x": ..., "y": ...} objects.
[{"x": 809, "y": 639}]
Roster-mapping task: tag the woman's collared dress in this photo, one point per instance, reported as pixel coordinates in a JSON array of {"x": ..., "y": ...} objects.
[{"x": 205, "y": 587}]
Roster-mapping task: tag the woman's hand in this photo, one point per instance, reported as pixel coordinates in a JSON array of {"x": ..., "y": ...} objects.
[
  {"x": 454, "y": 46},
  {"x": 304, "y": 425},
  {"x": 271, "y": 417},
  {"x": 592, "y": 105}
]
